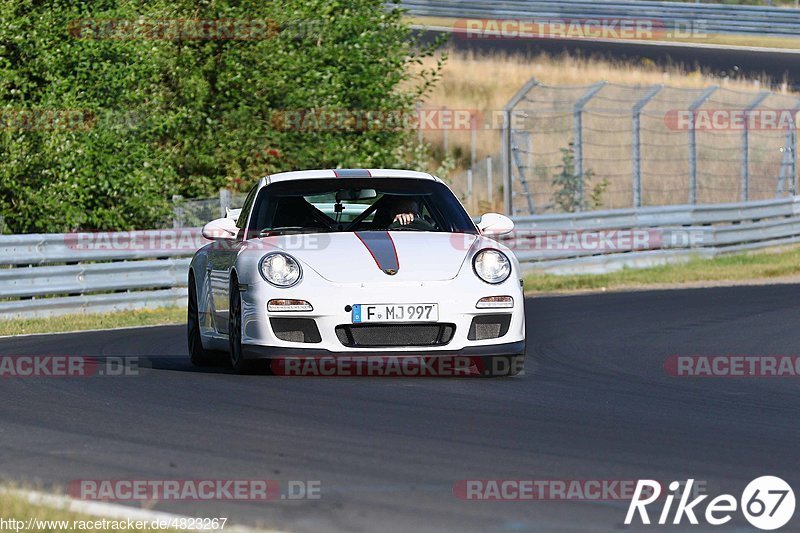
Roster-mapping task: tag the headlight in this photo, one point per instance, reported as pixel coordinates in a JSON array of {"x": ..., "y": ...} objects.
[
  {"x": 492, "y": 266},
  {"x": 280, "y": 269}
]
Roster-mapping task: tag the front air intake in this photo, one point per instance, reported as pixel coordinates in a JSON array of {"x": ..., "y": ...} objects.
[
  {"x": 385, "y": 335},
  {"x": 489, "y": 327},
  {"x": 296, "y": 329}
]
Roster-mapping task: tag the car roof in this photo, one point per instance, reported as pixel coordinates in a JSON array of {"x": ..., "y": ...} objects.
[{"x": 349, "y": 173}]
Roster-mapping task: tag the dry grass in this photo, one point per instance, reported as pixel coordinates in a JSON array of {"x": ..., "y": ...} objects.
[{"x": 489, "y": 81}]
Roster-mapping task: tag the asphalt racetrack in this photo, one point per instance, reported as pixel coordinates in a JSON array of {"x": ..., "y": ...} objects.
[{"x": 595, "y": 404}]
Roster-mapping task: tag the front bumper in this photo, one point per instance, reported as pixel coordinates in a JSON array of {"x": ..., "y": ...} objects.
[
  {"x": 456, "y": 298},
  {"x": 256, "y": 351}
]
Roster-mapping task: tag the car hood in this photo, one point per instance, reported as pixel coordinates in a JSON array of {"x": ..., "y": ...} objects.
[{"x": 377, "y": 256}]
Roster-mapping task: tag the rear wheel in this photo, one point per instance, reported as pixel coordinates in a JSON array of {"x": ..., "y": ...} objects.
[{"x": 197, "y": 354}]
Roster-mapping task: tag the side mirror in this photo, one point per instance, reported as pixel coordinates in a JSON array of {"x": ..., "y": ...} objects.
[
  {"x": 221, "y": 228},
  {"x": 495, "y": 224}
]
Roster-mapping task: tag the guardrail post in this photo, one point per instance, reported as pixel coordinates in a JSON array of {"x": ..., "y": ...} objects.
[
  {"x": 705, "y": 95},
  {"x": 744, "y": 185},
  {"x": 577, "y": 125},
  {"x": 636, "y": 142}
]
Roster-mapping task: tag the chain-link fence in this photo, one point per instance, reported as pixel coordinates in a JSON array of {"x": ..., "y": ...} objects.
[
  {"x": 195, "y": 213},
  {"x": 607, "y": 146}
]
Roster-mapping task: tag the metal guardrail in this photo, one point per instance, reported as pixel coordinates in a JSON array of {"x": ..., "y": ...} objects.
[
  {"x": 44, "y": 275},
  {"x": 675, "y": 16},
  {"x": 53, "y": 274},
  {"x": 669, "y": 233}
]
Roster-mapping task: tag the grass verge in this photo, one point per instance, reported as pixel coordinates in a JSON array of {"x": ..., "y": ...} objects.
[
  {"x": 774, "y": 265},
  {"x": 119, "y": 319},
  {"x": 33, "y": 518}
]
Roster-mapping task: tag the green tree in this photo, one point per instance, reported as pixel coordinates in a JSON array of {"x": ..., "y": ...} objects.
[{"x": 187, "y": 116}]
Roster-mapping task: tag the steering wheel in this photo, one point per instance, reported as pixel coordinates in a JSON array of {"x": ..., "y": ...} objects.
[{"x": 418, "y": 224}]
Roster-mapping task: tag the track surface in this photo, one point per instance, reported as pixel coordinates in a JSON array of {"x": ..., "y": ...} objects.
[{"x": 598, "y": 405}]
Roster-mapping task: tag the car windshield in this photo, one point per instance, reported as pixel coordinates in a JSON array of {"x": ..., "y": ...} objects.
[{"x": 368, "y": 204}]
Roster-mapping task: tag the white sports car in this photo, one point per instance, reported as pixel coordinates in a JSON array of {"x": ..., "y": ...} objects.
[{"x": 355, "y": 262}]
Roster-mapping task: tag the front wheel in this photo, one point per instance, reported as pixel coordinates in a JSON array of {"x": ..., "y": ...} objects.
[
  {"x": 198, "y": 355},
  {"x": 239, "y": 364}
]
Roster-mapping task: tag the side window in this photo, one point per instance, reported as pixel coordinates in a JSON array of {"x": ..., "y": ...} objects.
[
  {"x": 426, "y": 215},
  {"x": 248, "y": 205}
]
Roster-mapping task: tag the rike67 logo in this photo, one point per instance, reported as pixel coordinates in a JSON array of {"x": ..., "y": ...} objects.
[{"x": 767, "y": 503}]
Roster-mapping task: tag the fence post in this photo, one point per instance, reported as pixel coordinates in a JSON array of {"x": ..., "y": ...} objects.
[
  {"x": 636, "y": 142},
  {"x": 705, "y": 95},
  {"x": 794, "y": 153},
  {"x": 505, "y": 160},
  {"x": 505, "y": 146},
  {"x": 418, "y": 108},
  {"x": 224, "y": 200},
  {"x": 489, "y": 181},
  {"x": 523, "y": 180},
  {"x": 789, "y": 158},
  {"x": 473, "y": 140},
  {"x": 744, "y": 184},
  {"x": 470, "y": 201},
  {"x": 577, "y": 124},
  {"x": 178, "y": 212},
  {"x": 445, "y": 132}
]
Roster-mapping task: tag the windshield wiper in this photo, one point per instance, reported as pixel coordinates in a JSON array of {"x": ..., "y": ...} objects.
[{"x": 291, "y": 230}]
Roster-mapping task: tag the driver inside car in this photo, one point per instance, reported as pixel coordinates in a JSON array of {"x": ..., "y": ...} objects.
[{"x": 404, "y": 211}]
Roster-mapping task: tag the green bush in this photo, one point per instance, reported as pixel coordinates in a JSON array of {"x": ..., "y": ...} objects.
[{"x": 187, "y": 116}]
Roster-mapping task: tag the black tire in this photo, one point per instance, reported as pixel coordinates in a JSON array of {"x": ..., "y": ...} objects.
[
  {"x": 503, "y": 365},
  {"x": 239, "y": 364},
  {"x": 197, "y": 354}
]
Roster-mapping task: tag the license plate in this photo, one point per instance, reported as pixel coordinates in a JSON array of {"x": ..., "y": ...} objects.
[{"x": 395, "y": 313}]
